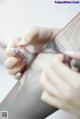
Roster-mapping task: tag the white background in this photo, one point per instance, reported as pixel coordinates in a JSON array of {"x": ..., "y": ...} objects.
[{"x": 17, "y": 15}]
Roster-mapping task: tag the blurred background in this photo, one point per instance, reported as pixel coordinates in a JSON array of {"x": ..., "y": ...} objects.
[{"x": 17, "y": 15}]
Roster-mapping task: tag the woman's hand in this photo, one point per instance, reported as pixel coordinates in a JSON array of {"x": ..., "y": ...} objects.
[
  {"x": 34, "y": 40},
  {"x": 62, "y": 85}
]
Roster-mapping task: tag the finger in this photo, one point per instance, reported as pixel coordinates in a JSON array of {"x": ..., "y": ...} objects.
[
  {"x": 36, "y": 35},
  {"x": 10, "y": 52},
  {"x": 10, "y": 48},
  {"x": 33, "y": 41},
  {"x": 36, "y": 38},
  {"x": 59, "y": 58},
  {"x": 29, "y": 38},
  {"x": 59, "y": 104},
  {"x": 14, "y": 43},
  {"x": 65, "y": 73},
  {"x": 59, "y": 83},
  {"x": 49, "y": 87},
  {"x": 13, "y": 52},
  {"x": 11, "y": 62},
  {"x": 16, "y": 69},
  {"x": 55, "y": 102},
  {"x": 73, "y": 54},
  {"x": 67, "y": 94}
]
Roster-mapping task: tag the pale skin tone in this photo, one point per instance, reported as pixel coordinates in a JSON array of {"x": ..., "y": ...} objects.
[
  {"x": 36, "y": 37},
  {"x": 61, "y": 84}
]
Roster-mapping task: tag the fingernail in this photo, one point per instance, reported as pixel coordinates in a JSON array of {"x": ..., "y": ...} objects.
[{"x": 18, "y": 75}]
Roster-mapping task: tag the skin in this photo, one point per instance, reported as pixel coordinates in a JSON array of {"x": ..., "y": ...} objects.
[
  {"x": 27, "y": 98},
  {"x": 36, "y": 37},
  {"x": 61, "y": 85}
]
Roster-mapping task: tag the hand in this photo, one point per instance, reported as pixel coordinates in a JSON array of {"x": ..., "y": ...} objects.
[
  {"x": 35, "y": 39},
  {"x": 62, "y": 85}
]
